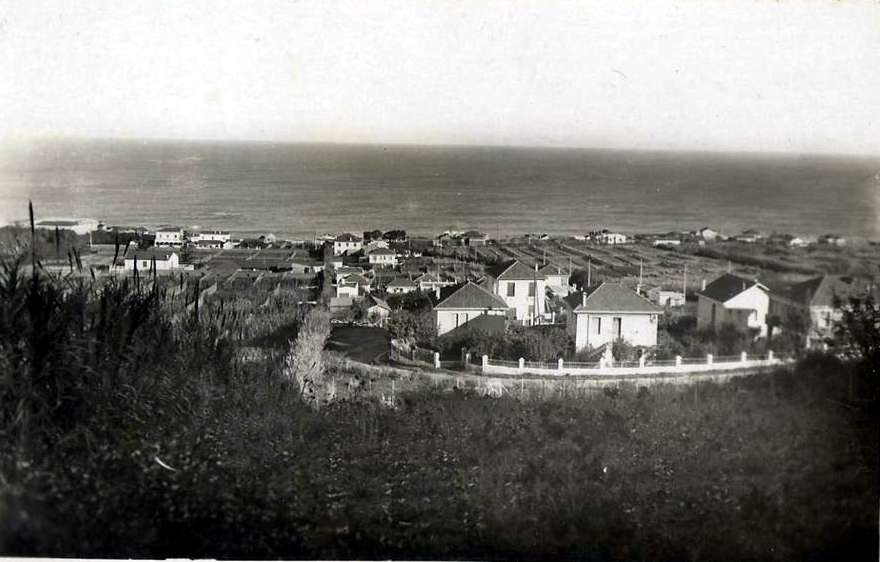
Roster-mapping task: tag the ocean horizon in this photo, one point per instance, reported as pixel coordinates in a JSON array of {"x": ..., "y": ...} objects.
[{"x": 298, "y": 190}]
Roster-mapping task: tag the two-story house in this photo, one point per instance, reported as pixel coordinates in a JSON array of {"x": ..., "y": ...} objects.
[{"x": 522, "y": 288}]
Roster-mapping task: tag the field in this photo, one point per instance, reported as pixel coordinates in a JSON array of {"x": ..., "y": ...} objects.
[{"x": 773, "y": 265}]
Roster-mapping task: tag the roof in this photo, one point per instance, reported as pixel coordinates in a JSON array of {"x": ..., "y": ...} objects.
[
  {"x": 58, "y": 223},
  {"x": 379, "y": 302},
  {"x": 357, "y": 278},
  {"x": 382, "y": 252},
  {"x": 401, "y": 282},
  {"x": 551, "y": 269},
  {"x": 728, "y": 286},
  {"x": 150, "y": 253},
  {"x": 610, "y": 297},
  {"x": 821, "y": 291},
  {"x": 487, "y": 323},
  {"x": 513, "y": 270},
  {"x": 474, "y": 234},
  {"x": 471, "y": 296},
  {"x": 346, "y": 237},
  {"x": 169, "y": 229}
]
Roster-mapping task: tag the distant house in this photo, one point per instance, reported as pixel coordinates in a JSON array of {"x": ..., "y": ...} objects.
[
  {"x": 377, "y": 311},
  {"x": 814, "y": 300},
  {"x": 169, "y": 236},
  {"x": 466, "y": 304},
  {"x": 734, "y": 300},
  {"x": 607, "y": 312},
  {"x": 346, "y": 244},
  {"x": 832, "y": 240},
  {"x": 78, "y": 226},
  {"x": 522, "y": 288},
  {"x": 429, "y": 282},
  {"x": 797, "y": 242},
  {"x": 400, "y": 286},
  {"x": 345, "y": 271},
  {"x": 304, "y": 265},
  {"x": 142, "y": 260},
  {"x": 374, "y": 245},
  {"x": 475, "y": 238},
  {"x": 662, "y": 297},
  {"x": 382, "y": 257},
  {"x": 667, "y": 242},
  {"x": 708, "y": 234},
  {"x": 612, "y": 238},
  {"x": 749, "y": 237},
  {"x": 211, "y": 239},
  {"x": 555, "y": 279}
]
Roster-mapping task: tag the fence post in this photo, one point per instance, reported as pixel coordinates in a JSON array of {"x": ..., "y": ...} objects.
[
  {"x": 522, "y": 363},
  {"x": 642, "y": 361},
  {"x": 485, "y": 363},
  {"x": 743, "y": 357},
  {"x": 709, "y": 359},
  {"x": 770, "y": 355},
  {"x": 678, "y": 360},
  {"x": 436, "y": 360},
  {"x": 467, "y": 360},
  {"x": 560, "y": 365},
  {"x": 601, "y": 362}
]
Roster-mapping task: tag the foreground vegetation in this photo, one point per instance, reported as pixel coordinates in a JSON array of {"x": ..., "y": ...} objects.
[{"x": 129, "y": 428}]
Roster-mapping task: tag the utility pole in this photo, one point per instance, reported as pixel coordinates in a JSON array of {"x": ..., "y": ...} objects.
[
  {"x": 589, "y": 271},
  {"x": 640, "y": 277},
  {"x": 684, "y": 283}
]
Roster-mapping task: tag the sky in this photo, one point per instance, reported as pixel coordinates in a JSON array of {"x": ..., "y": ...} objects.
[{"x": 732, "y": 75}]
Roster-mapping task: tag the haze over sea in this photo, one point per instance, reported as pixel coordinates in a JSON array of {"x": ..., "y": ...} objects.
[{"x": 297, "y": 190}]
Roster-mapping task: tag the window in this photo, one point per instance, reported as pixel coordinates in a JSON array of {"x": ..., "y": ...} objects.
[
  {"x": 511, "y": 289},
  {"x": 713, "y": 313},
  {"x": 615, "y": 326},
  {"x": 595, "y": 325},
  {"x": 532, "y": 285}
]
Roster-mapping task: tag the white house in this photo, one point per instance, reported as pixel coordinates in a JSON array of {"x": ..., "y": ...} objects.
[
  {"x": 556, "y": 279},
  {"x": 429, "y": 282},
  {"x": 522, "y": 288},
  {"x": 377, "y": 311},
  {"x": 667, "y": 242},
  {"x": 475, "y": 238},
  {"x": 731, "y": 299},
  {"x": 400, "y": 286},
  {"x": 382, "y": 257},
  {"x": 612, "y": 238},
  {"x": 346, "y": 244},
  {"x": 346, "y": 289},
  {"x": 466, "y": 304},
  {"x": 211, "y": 239},
  {"x": 78, "y": 226},
  {"x": 662, "y": 297},
  {"x": 169, "y": 236},
  {"x": 607, "y": 312},
  {"x": 708, "y": 234},
  {"x": 142, "y": 260}
]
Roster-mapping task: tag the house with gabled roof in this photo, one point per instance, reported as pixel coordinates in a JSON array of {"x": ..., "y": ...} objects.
[
  {"x": 346, "y": 243},
  {"x": 382, "y": 257},
  {"x": 522, "y": 288},
  {"x": 165, "y": 259},
  {"x": 606, "y": 312},
  {"x": 169, "y": 236},
  {"x": 464, "y": 304},
  {"x": 400, "y": 286},
  {"x": 731, "y": 299},
  {"x": 378, "y": 310},
  {"x": 815, "y": 300},
  {"x": 556, "y": 279}
]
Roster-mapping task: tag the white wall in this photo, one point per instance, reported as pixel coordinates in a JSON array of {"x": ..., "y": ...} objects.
[
  {"x": 343, "y": 247},
  {"x": 635, "y": 328},
  {"x": 146, "y": 262},
  {"x": 521, "y": 302},
  {"x": 172, "y": 238},
  {"x": 448, "y": 320},
  {"x": 746, "y": 310}
]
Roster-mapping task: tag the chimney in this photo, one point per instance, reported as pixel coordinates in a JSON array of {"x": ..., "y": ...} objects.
[
  {"x": 704, "y": 285},
  {"x": 583, "y": 298},
  {"x": 437, "y": 291}
]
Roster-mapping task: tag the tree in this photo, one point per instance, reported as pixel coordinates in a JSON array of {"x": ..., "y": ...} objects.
[
  {"x": 858, "y": 331},
  {"x": 304, "y": 363}
]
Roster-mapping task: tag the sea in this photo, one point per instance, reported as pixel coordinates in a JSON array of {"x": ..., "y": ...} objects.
[{"x": 296, "y": 191}]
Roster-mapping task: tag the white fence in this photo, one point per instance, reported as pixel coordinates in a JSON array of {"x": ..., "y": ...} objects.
[{"x": 679, "y": 365}]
